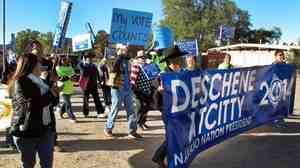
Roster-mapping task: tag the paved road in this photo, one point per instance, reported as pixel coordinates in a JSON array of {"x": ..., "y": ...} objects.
[{"x": 86, "y": 146}]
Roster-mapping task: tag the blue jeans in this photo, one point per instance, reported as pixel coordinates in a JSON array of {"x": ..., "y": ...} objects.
[
  {"x": 28, "y": 147},
  {"x": 118, "y": 97},
  {"x": 67, "y": 106}
]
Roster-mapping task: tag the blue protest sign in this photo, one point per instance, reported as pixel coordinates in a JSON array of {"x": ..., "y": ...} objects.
[
  {"x": 190, "y": 46},
  {"x": 152, "y": 70},
  {"x": 226, "y": 32},
  {"x": 163, "y": 37},
  {"x": 82, "y": 42},
  {"x": 63, "y": 21},
  {"x": 203, "y": 108},
  {"x": 130, "y": 27}
]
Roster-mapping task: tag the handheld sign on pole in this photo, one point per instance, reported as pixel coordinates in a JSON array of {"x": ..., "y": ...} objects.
[
  {"x": 163, "y": 37},
  {"x": 63, "y": 21},
  {"x": 130, "y": 27},
  {"x": 190, "y": 46},
  {"x": 204, "y": 108},
  {"x": 226, "y": 33},
  {"x": 82, "y": 42},
  {"x": 151, "y": 71}
]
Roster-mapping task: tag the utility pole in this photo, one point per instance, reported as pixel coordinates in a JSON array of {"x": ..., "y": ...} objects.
[{"x": 4, "y": 45}]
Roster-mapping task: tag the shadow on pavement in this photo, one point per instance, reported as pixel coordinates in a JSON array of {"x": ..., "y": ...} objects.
[
  {"x": 72, "y": 134},
  {"x": 264, "y": 147},
  {"x": 144, "y": 158},
  {"x": 119, "y": 143}
]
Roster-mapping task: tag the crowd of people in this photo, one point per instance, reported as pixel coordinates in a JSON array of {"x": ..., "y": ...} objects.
[{"x": 40, "y": 86}]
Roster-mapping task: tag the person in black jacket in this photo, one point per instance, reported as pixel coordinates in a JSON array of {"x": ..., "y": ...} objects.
[
  {"x": 173, "y": 58},
  {"x": 32, "y": 124},
  {"x": 48, "y": 64},
  {"x": 90, "y": 72}
]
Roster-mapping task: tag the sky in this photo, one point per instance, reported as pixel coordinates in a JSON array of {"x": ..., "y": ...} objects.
[{"x": 42, "y": 15}]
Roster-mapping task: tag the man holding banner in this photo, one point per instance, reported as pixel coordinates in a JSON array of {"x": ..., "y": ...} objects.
[
  {"x": 173, "y": 58},
  {"x": 204, "y": 108}
]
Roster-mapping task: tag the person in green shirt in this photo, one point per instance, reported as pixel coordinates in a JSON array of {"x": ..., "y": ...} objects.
[
  {"x": 156, "y": 57},
  {"x": 65, "y": 72},
  {"x": 227, "y": 63}
]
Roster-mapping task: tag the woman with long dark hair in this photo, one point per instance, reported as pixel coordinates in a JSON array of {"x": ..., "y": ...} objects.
[{"x": 32, "y": 124}]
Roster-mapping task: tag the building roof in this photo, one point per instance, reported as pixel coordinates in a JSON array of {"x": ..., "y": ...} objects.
[{"x": 245, "y": 46}]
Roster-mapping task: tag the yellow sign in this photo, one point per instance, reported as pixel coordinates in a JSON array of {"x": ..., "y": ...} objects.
[
  {"x": 5, "y": 113},
  {"x": 5, "y": 110}
]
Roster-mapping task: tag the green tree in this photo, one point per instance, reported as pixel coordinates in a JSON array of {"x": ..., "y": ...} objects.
[
  {"x": 26, "y": 36},
  {"x": 264, "y": 36},
  {"x": 195, "y": 18},
  {"x": 23, "y": 38},
  {"x": 242, "y": 26},
  {"x": 276, "y": 34},
  {"x": 46, "y": 40}
]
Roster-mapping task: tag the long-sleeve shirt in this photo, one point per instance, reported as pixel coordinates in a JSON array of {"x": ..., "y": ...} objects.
[
  {"x": 90, "y": 71},
  {"x": 66, "y": 71}
]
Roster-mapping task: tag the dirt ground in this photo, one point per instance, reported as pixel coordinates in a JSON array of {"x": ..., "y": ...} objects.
[{"x": 85, "y": 145}]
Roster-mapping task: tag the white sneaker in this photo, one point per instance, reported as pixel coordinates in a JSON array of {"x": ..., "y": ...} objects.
[
  {"x": 101, "y": 115},
  {"x": 73, "y": 121},
  {"x": 107, "y": 110}
]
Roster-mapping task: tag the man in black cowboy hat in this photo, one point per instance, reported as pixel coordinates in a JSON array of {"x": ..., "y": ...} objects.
[{"x": 173, "y": 58}]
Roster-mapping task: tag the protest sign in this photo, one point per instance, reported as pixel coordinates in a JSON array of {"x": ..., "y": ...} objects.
[
  {"x": 82, "y": 42},
  {"x": 151, "y": 70},
  {"x": 190, "y": 46},
  {"x": 63, "y": 21},
  {"x": 226, "y": 32},
  {"x": 130, "y": 27},
  {"x": 163, "y": 37},
  {"x": 203, "y": 108}
]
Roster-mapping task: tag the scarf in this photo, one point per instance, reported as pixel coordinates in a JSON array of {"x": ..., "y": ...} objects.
[{"x": 40, "y": 83}]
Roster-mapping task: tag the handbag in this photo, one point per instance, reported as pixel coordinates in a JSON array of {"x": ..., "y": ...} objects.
[{"x": 83, "y": 82}]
